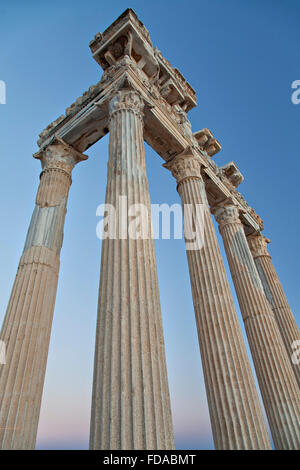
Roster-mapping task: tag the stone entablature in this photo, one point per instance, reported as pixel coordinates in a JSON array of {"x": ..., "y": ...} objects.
[
  {"x": 168, "y": 97},
  {"x": 173, "y": 86},
  {"x": 207, "y": 142},
  {"x": 142, "y": 97},
  {"x": 232, "y": 174},
  {"x": 167, "y": 128},
  {"x": 128, "y": 37},
  {"x": 125, "y": 50},
  {"x": 125, "y": 24}
]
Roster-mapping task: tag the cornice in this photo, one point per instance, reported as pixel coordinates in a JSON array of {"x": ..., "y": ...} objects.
[{"x": 166, "y": 128}]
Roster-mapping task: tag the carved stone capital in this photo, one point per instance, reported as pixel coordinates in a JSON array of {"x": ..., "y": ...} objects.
[
  {"x": 60, "y": 156},
  {"x": 58, "y": 160},
  {"x": 128, "y": 100},
  {"x": 186, "y": 165},
  {"x": 258, "y": 245},
  {"x": 227, "y": 214}
]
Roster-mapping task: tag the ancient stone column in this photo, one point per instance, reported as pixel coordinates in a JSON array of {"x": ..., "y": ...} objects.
[
  {"x": 277, "y": 382},
  {"x": 131, "y": 404},
  {"x": 235, "y": 410},
  {"x": 275, "y": 294},
  {"x": 27, "y": 324}
]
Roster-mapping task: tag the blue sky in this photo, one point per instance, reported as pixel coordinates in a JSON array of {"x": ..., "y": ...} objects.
[{"x": 241, "y": 58}]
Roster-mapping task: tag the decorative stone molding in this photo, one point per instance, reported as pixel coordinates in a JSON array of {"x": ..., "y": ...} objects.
[
  {"x": 226, "y": 215},
  {"x": 111, "y": 31},
  {"x": 258, "y": 245},
  {"x": 232, "y": 173},
  {"x": 86, "y": 96},
  {"x": 207, "y": 142},
  {"x": 58, "y": 160},
  {"x": 182, "y": 119},
  {"x": 141, "y": 95},
  {"x": 186, "y": 165},
  {"x": 240, "y": 198},
  {"x": 173, "y": 86},
  {"x": 127, "y": 100},
  {"x": 167, "y": 128},
  {"x": 59, "y": 155},
  {"x": 126, "y": 36}
]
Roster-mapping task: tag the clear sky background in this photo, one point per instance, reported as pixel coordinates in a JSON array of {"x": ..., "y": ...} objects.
[{"x": 241, "y": 58}]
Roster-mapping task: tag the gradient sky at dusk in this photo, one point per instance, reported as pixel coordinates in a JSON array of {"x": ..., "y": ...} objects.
[{"x": 241, "y": 57}]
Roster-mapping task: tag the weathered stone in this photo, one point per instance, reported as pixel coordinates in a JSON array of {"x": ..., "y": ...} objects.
[
  {"x": 275, "y": 294},
  {"x": 27, "y": 323},
  {"x": 207, "y": 142},
  {"x": 232, "y": 173},
  {"x": 278, "y": 386},
  {"x": 235, "y": 411},
  {"x": 131, "y": 404}
]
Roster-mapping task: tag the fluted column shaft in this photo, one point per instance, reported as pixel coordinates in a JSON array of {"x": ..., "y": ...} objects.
[
  {"x": 27, "y": 323},
  {"x": 277, "y": 382},
  {"x": 275, "y": 294},
  {"x": 131, "y": 404},
  {"x": 235, "y": 411}
]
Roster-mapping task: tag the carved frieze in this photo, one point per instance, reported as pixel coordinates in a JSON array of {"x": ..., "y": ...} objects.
[
  {"x": 127, "y": 52},
  {"x": 126, "y": 36}
]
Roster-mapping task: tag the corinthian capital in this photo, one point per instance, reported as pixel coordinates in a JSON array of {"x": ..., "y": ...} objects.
[
  {"x": 228, "y": 214},
  {"x": 258, "y": 245},
  {"x": 59, "y": 155},
  {"x": 129, "y": 100},
  {"x": 185, "y": 165}
]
